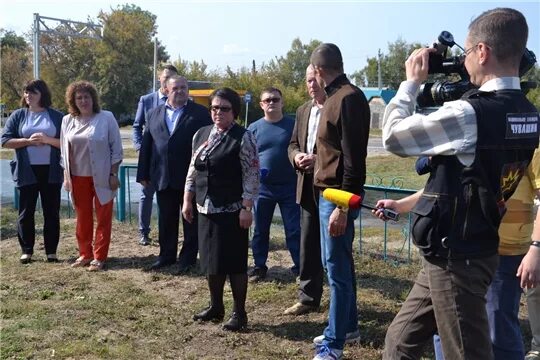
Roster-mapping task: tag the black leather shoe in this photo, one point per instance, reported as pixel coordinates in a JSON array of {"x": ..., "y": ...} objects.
[
  {"x": 257, "y": 274},
  {"x": 236, "y": 322},
  {"x": 161, "y": 263},
  {"x": 144, "y": 241},
  {"x": 210, "y": 314}
]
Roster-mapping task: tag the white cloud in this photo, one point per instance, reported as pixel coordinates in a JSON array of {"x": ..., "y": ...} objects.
[{"x": 234, "y": 49}]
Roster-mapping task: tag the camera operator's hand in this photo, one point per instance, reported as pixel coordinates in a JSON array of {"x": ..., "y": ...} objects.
[{"x": 416, "y": 66}]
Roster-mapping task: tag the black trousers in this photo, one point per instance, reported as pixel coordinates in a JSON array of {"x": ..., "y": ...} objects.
[
  {"x": 50, "y": 203},
  {"x": 311, "y": 271},
  {"x": 170, "y": 206}
]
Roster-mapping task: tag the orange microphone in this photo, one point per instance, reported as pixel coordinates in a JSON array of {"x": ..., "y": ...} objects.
[{"x": 343, "y": 198}]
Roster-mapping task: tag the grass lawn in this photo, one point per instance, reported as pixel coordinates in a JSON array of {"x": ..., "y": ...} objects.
[{"x": 126, "y": 312}]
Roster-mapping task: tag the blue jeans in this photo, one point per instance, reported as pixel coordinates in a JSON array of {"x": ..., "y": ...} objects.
[
  {"x": 533, "y": 305},
  {"x": 502, "y": 306},
  {"x": 145, "y": 208},
  {"x": 269, "y": 196},
  {"x": 337, "y": 260}
]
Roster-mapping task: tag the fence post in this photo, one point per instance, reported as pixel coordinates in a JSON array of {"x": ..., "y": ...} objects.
[
  {"x": 121, "y": 201},
  {"x": 16, "y": 198}
]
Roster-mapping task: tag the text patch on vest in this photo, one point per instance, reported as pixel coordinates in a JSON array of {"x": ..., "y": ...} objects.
[{"x": 522, "y": 126}]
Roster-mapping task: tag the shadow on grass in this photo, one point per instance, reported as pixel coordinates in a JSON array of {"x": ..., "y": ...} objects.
[
  {"x": 373, "y": 326},
  {"x": 280, "y": 275},
  {"x": 144, "y": 263},
  {"x": 391, "y": 287},
  {"x": 291, "y": 330},
  {"x": 8, "y": 232}
]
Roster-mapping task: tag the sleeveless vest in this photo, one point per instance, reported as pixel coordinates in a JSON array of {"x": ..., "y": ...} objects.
[
  {"x": 219, "y": 175},
  {"x": 458, "y": 215}
]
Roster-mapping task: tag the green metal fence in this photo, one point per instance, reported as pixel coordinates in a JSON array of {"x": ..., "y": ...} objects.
[{"x": 376, "y": 187}]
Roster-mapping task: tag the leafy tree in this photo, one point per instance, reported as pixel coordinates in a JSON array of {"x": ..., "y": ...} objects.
[
  {"x": 392, "y": 66},
  {"x": 16, "y": 69},
  {"x": 195, "y": 70},
  {"x": 291, "y": 68},
  {"x": 533, "y": 75},
  {"x": 255, "y": 81},
  {"x": 64, "y": 60},
  {"x": 120, "y": 64},
  {"x": 9, "y": 39},
  {"x": 125, "y": 57}
]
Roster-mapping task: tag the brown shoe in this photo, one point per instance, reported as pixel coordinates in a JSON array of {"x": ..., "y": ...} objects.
[
  {"x": 80, "y": 262},
  {"x": 96, "y": 265},
  {"x": 300, "y": 309}
]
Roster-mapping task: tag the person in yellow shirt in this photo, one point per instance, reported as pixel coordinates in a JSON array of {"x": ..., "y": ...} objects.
[{"x": 519, "y": 267}]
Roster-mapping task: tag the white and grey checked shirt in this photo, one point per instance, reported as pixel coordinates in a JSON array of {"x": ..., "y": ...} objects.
[{"x": 451, "y": 130}]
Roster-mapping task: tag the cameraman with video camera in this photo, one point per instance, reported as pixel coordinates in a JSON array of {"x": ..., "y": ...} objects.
[{"x": 481, "y": 146}]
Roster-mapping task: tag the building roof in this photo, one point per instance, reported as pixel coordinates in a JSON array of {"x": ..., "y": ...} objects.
[{"x": 384, "y": 93}]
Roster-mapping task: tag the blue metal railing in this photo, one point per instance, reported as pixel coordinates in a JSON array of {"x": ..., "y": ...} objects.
[{"x": 124, "y": 191}]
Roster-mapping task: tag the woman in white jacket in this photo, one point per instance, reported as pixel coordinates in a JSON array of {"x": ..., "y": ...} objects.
[{"x": 91, "y": 154}]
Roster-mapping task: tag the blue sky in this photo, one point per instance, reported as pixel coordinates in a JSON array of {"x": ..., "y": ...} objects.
[{"x": 236, "y": 32}]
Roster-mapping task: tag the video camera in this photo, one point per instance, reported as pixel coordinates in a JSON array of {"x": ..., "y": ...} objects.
[{"x": 436, "y": 93}]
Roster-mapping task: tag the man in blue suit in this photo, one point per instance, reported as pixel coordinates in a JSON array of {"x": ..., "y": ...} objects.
[
  {"x": 164, "y": 159},
  {"x": 146, "y": 103}
]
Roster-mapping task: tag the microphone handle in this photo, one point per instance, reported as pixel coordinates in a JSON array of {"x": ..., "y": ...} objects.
[{"x": 388, "y": 213}]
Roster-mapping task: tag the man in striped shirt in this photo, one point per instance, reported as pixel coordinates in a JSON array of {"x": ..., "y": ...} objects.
[{"x": 478, "y": 160}]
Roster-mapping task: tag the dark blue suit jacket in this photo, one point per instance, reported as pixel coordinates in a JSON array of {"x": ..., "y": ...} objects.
[
  {"x": 146, "y": 103},
  {"x": 164, "y": 158}
]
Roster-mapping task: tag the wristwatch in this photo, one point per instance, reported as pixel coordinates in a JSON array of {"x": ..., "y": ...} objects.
[
  {"x": 113, "y": 174},
  {"x": 247, "y": 208},
  {"x": 535, "y": 243}
]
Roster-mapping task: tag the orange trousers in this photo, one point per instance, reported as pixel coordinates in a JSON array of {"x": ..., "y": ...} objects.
[{"x": 84, "y": 200}]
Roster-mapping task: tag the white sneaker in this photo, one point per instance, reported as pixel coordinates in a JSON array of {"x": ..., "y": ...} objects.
[
  {"x": 351, "y": 337},
  {"x": 326, "y": 353}
]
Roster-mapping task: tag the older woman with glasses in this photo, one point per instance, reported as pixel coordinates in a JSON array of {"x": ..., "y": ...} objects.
[
  {"x": 91, "y": 153},
  {"x": 34, "y": 132},
  {"x": 224, "y": 178}
]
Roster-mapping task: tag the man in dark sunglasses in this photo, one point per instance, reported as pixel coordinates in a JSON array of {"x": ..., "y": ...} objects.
[{"x": 278, "y": 183}]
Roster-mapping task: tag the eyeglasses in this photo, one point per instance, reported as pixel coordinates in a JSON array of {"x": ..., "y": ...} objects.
[
  {"x": 225, "y": 109},
  {"x": 274, "y": 100},
  {"x": 468, "y": 51}
]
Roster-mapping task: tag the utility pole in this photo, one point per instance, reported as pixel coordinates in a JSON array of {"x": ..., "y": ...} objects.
[
  {"x": 60, "y": 27},
  {"x": 155, "y": 64},
  {"x": 379, "y": 82}
]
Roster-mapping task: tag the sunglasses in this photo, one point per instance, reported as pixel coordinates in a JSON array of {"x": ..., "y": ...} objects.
[
  {"x": 274, "y": 100},
  {"x": 225, "y": 109}
]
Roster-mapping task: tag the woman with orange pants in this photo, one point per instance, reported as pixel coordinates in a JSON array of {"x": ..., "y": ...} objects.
[{"x": 91, "y": 154}]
